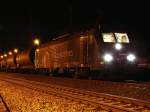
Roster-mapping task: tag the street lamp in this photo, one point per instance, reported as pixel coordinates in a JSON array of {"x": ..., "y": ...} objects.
[
  {"x": 2, "y": 56},
  {"x": 5, "y": 55},
  {"x": 15, "y": 50},
  {"x": 36, "y": 42},
  {"x": 10, "y": 53}
]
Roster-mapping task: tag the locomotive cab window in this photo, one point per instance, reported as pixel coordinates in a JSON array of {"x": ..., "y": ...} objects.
[
  {"x": 108, "y": 37},
  {"x": 122, "y": 37}
]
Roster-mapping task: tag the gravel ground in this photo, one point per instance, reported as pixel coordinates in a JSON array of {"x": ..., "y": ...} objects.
[
  {"x": 115, "y": 88},
  {"x": 21, "y": 99}
]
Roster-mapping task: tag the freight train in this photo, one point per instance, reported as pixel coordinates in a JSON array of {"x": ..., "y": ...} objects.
[{"x": 88, "y": 53}]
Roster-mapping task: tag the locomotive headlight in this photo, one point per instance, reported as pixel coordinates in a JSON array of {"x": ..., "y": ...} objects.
[
  {"x": 108, "y": 57},
  {"x": 131, "y": 57},
  {"x": 118, "y": 46}
]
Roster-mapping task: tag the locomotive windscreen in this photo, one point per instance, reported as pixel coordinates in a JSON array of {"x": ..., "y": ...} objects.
[
  {"x": 115, "y": 37},
  {"x": 122, "y": 37},
  {"x": 108, "y": 37}
]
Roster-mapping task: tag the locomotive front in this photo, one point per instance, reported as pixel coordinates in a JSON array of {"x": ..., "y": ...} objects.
[{"x": 117, "y": 51}]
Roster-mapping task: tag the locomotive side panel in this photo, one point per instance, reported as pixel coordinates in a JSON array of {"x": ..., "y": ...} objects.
[
  {"x": 75, "y": 51},
  {"x": 66, "y": 53},
  {"x": 94, "y": 51}
]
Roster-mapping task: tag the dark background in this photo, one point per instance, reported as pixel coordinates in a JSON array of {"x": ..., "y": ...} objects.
[{"x": 21, "y": 22}]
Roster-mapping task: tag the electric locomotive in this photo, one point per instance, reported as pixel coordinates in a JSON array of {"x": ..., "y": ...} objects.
[{"x": 89, "y": 53}]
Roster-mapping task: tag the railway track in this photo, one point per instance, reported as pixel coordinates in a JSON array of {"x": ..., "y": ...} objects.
[
  {"x": 133, "y": 83},
  {"x": 138, "y": 84},
  {"x": 103, "y": 101},
  {"x": 3, "y": 106}
]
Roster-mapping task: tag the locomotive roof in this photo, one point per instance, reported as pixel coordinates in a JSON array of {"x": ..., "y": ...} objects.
[
  {"x": 57, "y": 40},
  {"x": 64, "y": 37}
]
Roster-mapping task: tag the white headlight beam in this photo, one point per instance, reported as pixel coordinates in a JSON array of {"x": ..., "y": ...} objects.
[
  {"x": 118, "y": 46},
  {"x": 108, "y": 57},
  {"x": 131, "y": 57}
]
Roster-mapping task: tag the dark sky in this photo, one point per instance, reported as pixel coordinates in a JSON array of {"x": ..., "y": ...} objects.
[{"x": 20, "y": 22}]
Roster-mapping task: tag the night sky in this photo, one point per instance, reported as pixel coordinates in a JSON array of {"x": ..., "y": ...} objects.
[{"x": 21, "y": 22}]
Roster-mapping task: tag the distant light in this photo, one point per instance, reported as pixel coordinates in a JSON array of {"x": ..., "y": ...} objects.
[
  {"x": 15, "y": 50},
  {"x": 118, "y": 46},
  {"x": 131, "y": 57},
  {"x": 108, "y": 57},
  {"x": 2, "y": 57},
  {"x": 5, "y": 55},
  {"x": 36, "y": 42},
  {"x": 10, "y": 53},
  {"x": 37, "y": 50},
  {"x": 84, "y": 37},
  {"x": 82, "y": 65}
]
